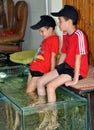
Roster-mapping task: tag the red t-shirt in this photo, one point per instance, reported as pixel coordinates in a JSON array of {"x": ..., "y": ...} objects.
[
  {"x": 76, "y": 44},
  {"x": 43, "y": 58}
]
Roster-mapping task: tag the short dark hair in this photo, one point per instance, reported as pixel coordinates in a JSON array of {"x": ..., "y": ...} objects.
[{"x": 73, "y": 20}]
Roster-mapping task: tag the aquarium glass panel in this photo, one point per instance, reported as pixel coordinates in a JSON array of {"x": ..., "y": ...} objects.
[{"x": 16, "y": 110}]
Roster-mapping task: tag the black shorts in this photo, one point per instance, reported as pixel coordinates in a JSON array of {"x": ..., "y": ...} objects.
[
  {"x": 36, "y": 73},
  {"x": 64, "y": 68}
]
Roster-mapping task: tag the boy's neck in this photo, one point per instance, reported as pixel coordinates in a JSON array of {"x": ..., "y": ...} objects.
[
  {"x": 52, "y": 33},
  {"x": 71, "y": 30}
]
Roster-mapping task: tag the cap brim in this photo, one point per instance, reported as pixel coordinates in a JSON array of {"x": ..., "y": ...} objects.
[
  {"x": 56, "y": 14},
  {"x": 36, "y": 26}
]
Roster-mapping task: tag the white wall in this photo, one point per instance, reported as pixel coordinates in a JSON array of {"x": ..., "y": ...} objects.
[
  {"x": 36, "y": 8},
  {"x": 32, "y": 37},
  {"x": 56, "y": 5}
]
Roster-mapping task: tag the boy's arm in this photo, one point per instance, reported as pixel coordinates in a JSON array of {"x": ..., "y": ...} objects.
[
  {"x": 77, "y": 68},
  {"x": 53, "y": 60},
  {"x": 62, "y": 58},
  {"x": 76, "y": 71}
]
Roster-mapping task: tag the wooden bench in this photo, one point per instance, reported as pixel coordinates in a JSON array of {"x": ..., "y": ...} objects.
[{"x": 86, "y": 84}]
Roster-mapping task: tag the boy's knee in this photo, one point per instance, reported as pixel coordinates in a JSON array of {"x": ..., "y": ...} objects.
[{"x": 39, "y": 82}]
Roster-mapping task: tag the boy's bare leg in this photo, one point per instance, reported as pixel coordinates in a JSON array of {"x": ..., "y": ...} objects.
[
  {"x": 41, "y": 86},
  {"x": 42, "y": 81},
  {"x": 31, "y": 84},
  {"x": 29, "y": 78},
  {"x": 33, "y": 97},
  {"x": 51, "y": 87},
  {"x": 31, "y": 89},
  {"x": 55, "y": 83}
]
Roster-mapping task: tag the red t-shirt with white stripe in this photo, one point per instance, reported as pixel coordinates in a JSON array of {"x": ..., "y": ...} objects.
[{"x": 76, "y": 44}]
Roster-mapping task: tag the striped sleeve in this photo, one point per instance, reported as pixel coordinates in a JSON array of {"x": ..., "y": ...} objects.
[{"x": 81, "y": 42}]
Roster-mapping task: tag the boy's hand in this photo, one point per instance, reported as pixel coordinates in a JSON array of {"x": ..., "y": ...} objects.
[{"x": 70, "y": 83}]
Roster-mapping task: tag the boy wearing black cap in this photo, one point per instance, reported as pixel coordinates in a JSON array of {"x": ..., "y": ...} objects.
[
  {"x": 45, "y": 57},
  {"x": 73, "y": 62}
]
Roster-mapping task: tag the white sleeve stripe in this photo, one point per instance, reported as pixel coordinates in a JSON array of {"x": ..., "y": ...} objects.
[{"x": 81, "y": 42}]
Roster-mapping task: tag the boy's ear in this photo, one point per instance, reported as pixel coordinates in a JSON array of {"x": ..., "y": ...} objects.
[
  {"x": 70, "y": 21},
  {"x": 50, "y": 28}
]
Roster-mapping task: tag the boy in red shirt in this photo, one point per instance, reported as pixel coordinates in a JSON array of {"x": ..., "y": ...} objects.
[
  {"x": 73, "y": 62},
  {"x": 45, "y": 58}
]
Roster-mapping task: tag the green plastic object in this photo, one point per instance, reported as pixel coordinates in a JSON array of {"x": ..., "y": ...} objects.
[{"x": 23, "y": 57}]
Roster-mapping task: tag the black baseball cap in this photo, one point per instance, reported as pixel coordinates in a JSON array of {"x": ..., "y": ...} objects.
[
  {"x": 68, "y": 11},
  {"x": 46, "y": 21}
]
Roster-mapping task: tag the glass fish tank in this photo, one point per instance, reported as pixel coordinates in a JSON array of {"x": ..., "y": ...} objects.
[
  {"x": 8, "y": 72},
  {"x": 17, "y": 111}
]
